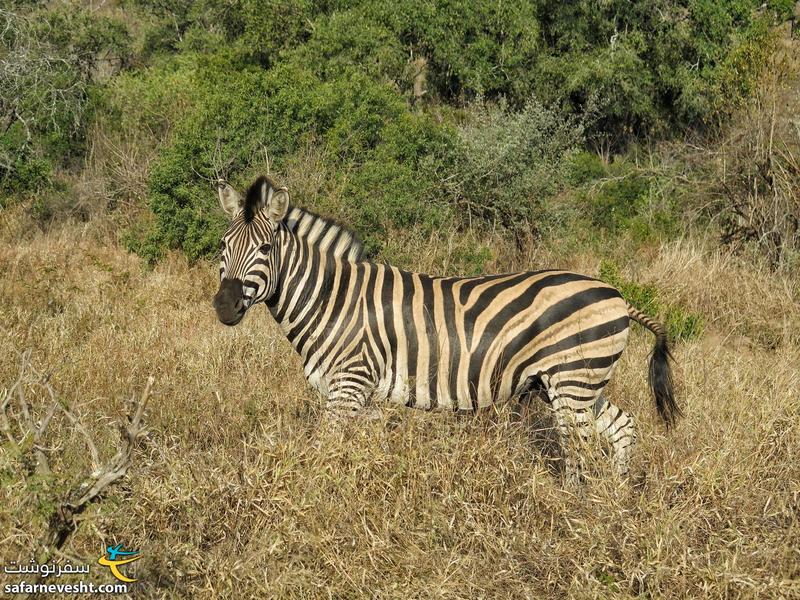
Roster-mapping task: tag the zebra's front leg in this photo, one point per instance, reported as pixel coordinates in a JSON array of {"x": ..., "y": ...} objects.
[{"x": 349, "y": 397}]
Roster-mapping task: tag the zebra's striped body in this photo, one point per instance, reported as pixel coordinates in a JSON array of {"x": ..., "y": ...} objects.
[
  {"x": 369, "y": 332},
  {"x": 450, "y": 343}
]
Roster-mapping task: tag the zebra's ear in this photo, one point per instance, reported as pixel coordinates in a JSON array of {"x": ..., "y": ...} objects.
[
  {"x": 230, "y": 200},
  {"x": 265, "y": 194},
  {"x": 277, "y": 203}
]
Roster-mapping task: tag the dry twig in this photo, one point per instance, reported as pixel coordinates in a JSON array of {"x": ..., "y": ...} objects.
[
  {"x": 63, "y": 520},
  {"x": 24, "y": 432}
]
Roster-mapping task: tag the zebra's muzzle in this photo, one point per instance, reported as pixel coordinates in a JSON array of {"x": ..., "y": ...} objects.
[{"x": 229, "y": 301}]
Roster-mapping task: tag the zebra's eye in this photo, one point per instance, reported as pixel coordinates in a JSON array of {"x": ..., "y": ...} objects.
[{"x": 265, "y": 248}]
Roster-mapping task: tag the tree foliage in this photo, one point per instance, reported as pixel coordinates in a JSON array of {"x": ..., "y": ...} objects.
[
  {"x": 49, "y": 60},
  {"x": 422, "y": 112}
]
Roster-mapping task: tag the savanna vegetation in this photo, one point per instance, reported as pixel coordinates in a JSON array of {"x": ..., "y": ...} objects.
[{"x": 652, "y": 144}]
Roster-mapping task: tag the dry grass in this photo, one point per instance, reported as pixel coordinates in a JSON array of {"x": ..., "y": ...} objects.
[
  {"x": 238, "y": 491},
  {"x": 757, "y": 168}
]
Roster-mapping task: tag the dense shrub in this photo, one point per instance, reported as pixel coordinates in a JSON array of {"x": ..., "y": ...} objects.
[
  {"x": 49, "y": 61},
  {"x": 423, "y": 113},
  {"x": 472, "y": 48},
  {"x": 645, "y": 67},
  {"x": 254, "y": 31},
  {"x": 400, "y": 184},
  {"x": 510, "y": 163},
  {"x": 623, "y": 197},
  {"x": 652, "y": 66},
  {"x": 344, "y": 39},
  {"x": 385, "y": 157},
  {"x": 22, "y": 166}
]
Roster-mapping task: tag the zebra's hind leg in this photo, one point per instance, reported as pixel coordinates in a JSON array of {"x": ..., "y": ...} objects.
[{"x": 618, "y": 429}]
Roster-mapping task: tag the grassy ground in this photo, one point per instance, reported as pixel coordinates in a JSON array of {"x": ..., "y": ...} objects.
[{"x": 237, "y": 490}]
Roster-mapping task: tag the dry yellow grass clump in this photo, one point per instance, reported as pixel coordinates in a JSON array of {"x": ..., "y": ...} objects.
[{"x": 238, "y": 491}]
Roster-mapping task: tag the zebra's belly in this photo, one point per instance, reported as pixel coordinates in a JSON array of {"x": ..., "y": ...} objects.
[{"x": 430, "y": 393}]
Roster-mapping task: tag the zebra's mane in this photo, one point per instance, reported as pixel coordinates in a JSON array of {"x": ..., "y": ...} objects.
[{"x": 326, "y": 234}]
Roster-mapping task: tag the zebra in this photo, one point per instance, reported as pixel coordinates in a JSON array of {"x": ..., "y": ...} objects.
[{"x": 369, "y": 332}]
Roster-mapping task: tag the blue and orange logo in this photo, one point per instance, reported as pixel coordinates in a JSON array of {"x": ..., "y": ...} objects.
[{"x": 112, "y": 560}]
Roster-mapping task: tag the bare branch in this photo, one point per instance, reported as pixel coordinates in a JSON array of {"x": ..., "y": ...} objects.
[
  {"x": 91, "y": 489},
  {"x": 24, "y": 432},
  {"x": 34, "y": 431},
  {"x": 4, "y": 423},
  {"x": 79, "y": 426}
]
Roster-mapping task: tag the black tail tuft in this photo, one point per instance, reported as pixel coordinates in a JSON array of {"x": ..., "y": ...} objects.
[{"x": 660, "y": 379}]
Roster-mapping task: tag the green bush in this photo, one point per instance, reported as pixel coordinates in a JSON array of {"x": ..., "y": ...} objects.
[
  {"x": 622, "y": 198},
  {"x": 471, "y": 260},
  {"x": 344, "y": 39},
  {"x": 649, "y": 67},
  {"x": 429, "y": 113},
  {"x": 644, "y": 68},
  {"x": 616, "y": 202},
  {"x": 399, "y": 185},
  {"x": 22, "y": 171},
  {"x": 477, "y": 48},
  {"x": 584, "y": 167},
  {"x": 253, "y": 31},
  {"x": 144, "y": 241},
  {"x": 50, "y": 65},
  {"x": 784, "y": 9},
  {"x": 509, "y": 163},
  {"x": 385, "y": 156}
]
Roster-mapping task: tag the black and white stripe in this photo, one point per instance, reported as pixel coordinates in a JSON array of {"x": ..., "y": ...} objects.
[{"x": 370, "y": 332}]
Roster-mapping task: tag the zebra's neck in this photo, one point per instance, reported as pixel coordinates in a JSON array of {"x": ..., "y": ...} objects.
[{"x": 314, "y": 253}]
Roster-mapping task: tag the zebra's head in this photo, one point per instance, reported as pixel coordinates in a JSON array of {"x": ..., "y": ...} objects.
[{"x": 249, "y": 264}]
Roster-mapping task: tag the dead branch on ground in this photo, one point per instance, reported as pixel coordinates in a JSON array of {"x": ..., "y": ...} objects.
[{"x": 26, "y": 435}]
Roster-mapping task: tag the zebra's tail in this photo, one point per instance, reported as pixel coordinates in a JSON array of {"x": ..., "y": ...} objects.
[{"x": 660, "y": 374}]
